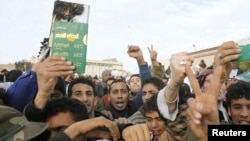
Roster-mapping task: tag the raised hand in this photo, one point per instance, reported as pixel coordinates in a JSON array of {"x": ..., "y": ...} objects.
[
  {"x": 153, "y": 53},
  {"x": 47, "y": 73},
  {"x": 203, "y": 109},
  {"x": 178, "y": 63},
  {"x": 92, "y": 131},
  {"x": 51, "y": 68},
  {"x": 227, "y": 52},
  {"x": 135, "y": 52}
]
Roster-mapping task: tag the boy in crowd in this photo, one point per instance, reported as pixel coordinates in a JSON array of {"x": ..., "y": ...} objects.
[{"x": 155, "y": 122}]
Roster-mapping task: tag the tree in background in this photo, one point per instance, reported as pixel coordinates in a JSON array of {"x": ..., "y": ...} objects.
[{"x": 23, "y": 65}]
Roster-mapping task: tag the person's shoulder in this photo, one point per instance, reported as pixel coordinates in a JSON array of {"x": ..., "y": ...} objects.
[
  {"x": 103, "y": 108},
  {"x": 98, "y": 113}
]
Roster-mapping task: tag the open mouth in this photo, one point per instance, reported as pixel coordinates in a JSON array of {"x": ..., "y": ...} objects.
[
  {"x": 157, "y": 132},
  {"x": 119, "y": 104}
]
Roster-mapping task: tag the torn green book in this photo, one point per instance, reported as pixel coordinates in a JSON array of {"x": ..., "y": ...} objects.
[{"x": 69, "y": 33}]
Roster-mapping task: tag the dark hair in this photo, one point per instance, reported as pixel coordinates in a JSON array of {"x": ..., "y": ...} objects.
[
  {"x": 158, "y": 83},
  {"x": 60, "y": 85},
  {"x": 2, "y": 93},
  {"x": 151, "y": 105},
  {"x": 184, "y": 93},
  {"x": 1, "y": 77},
  {"x": 117, "y": 81},
  {"x": 134, "y": 75},
  {"x": 4, "y": 71},
  {"x": 111, "y": 78},
  {"x": 203, "y": 74},
  {"x": 202, "y": 64},
  {"x": 238, "y": 90},
  {"x": 66, "y": 104},
  {"x": 83, "y": 81},
  {"x": 12, "y": 75}
]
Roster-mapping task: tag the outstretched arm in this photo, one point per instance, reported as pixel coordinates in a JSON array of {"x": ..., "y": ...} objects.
[
  {"x": 136, "y": 53},
  {"x": 137, "y": 132},
  {"x": 167, "y": 99},
  {"x": 80, "y": 128}
]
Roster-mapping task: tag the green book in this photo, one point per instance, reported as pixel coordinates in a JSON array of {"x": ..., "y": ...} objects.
[
  {"x": 242, "y": 64},
  {"x": 69, "y": 33},
  {"x": 245, "y": 52}
]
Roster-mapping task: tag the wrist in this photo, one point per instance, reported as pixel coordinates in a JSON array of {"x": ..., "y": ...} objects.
[
  {"x": 141, "y": 60},
  {"x": 173, "y": 84},
  {"x": 40, "y": 100},
  {"x": 171, "y": 92},
  {"x": 153, "y": 61},
  {"x": 72, "y": 131}
]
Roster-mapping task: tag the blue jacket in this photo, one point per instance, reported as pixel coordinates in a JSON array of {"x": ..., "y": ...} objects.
[
  {"x": 22, "y": 91},
  {"x": 145, "y": 73}
]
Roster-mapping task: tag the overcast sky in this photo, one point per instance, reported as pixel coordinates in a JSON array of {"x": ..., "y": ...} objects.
[{"x": 170, "y": 25}]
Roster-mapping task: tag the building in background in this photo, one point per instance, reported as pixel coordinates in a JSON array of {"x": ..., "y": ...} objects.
[
  {"x": 206, "y": 54},
  {"x": 93, "y": 67}
]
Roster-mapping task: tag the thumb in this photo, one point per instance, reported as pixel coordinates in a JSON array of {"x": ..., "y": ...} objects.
[{"x": 204, "y": 108}]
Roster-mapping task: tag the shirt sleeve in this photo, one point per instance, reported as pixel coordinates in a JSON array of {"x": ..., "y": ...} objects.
[
  {"x": 144, "y": 74},
  {"x": 164, "y": 107},
  {"x": 32, "y": 113}
]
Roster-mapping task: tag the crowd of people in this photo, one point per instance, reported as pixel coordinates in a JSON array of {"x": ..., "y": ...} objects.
[{"x": 48, "y": 103}]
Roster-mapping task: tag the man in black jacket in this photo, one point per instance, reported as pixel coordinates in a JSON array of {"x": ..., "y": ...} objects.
[{"x": 120, "y": 106}]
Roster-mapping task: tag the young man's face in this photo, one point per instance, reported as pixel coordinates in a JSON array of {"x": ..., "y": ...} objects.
[
  {"x": 85, "y": 94},
  {"x": 240, "y": 111},
  {"x": 148, "y": 91},
  {"x": 135, "y": 84},
  {"x": 119, "y": 95},
  {"x": 60, "y": 122},
  {"x": 155, "y": 123},
  {"x": 207, "y": 83}
]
